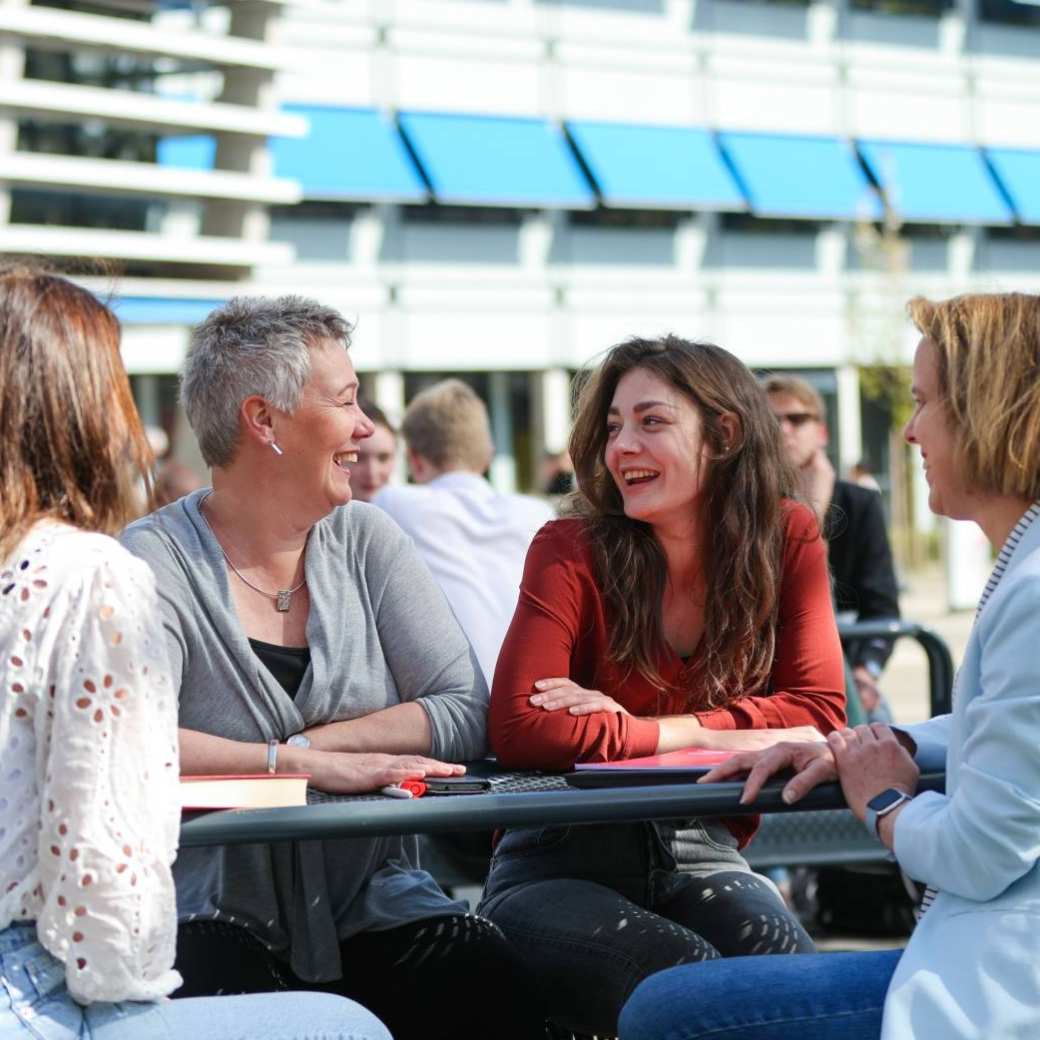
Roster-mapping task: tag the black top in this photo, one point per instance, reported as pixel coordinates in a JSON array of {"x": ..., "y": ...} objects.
[
  {"x": 861, "y": 564},
  {"x": 288, "y": 664}
]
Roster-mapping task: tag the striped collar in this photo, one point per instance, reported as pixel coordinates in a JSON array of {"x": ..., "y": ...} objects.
[{"x": 1007, "y": 551}]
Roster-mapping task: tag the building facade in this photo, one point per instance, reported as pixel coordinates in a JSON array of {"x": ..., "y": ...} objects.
[{"x": 501, "y": 189}]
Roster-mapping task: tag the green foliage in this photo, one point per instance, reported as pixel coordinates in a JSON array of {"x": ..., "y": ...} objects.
[{"x": 889, "y": 386}]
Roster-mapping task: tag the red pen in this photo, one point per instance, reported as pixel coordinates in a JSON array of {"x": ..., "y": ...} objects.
[{"x": 405, "y": 789}]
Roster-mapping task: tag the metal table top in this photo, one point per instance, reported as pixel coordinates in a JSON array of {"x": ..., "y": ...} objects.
[{"x": 557, "y": 803}]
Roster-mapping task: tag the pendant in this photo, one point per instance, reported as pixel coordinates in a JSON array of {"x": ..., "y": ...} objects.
[{"x": 282, "y": 600}]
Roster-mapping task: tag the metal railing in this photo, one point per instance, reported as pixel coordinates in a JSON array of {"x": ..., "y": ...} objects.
[{"x": 940, "y": 661}]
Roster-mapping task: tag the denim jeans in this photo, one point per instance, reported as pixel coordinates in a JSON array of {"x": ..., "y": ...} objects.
[
  {"x": 828, "y": 996},
  {"x": 35, "y": 1005},
  {"x": 596, "y": 909}
]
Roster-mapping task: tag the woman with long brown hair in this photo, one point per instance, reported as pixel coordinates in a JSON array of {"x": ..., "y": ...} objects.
[
  {"x": 685, "y": 603},
  {"x": 90, "y": 807},
  {"x": 971, "y": 969}
]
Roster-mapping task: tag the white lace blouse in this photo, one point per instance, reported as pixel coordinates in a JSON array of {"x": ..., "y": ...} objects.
[{"x": 89, "y": 806}]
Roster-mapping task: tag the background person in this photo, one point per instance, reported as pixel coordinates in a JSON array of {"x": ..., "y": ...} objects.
[
  {"x": 377, "y": 455},
  {"x": 687, "y": 603},
  {"x": 173, "y": 480},
  {"x": 853, "y": 523},
  {"x": 90, "y": 804},
  {"x": 557, "y": 474},
  {"x": 306, "y": 635},
  {"x": 472, "y": 537},
  {"x": 972, "y": 966}
]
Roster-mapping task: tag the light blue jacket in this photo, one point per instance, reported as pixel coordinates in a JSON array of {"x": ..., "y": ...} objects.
[{"x": 971, "y": 970}]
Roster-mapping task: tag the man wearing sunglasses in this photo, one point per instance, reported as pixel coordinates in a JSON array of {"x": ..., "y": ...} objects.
[{"x": 853, "y": 524}]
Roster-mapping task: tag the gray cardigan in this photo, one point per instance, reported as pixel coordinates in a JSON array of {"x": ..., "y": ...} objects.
[{"x": 380, "y": 632}]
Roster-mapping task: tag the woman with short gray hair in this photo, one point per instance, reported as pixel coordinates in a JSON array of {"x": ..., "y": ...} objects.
[{"x": 306, "y": 636}]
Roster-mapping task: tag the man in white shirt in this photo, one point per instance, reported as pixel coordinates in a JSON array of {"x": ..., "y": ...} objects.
[{"x": 473, "y": 538}]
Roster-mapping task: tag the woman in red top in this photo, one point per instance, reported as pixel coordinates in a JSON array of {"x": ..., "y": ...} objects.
[{"x": 686, "y": 603}]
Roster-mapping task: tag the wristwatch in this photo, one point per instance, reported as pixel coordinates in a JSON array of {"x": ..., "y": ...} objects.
[
  {"x": 881, "y": 805},
  {"x": 299, "y": 740}
]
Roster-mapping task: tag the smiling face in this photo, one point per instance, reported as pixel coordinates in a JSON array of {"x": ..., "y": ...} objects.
[
  {"x": 655, "y": 450},
  {"x": 375, "y": 465},
  {"x": 930, "y": 429},
  {"x": 322, "y": 437}
]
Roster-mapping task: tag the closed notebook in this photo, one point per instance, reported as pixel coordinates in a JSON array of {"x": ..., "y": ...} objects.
[
  {"x": 671, "y": 767},
  {"x": 245, "y": 791}
]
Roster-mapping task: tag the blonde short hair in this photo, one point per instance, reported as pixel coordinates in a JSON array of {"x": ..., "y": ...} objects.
[
  {"x": 989, "y": 378},
  {"x": 447, "y": 424},
  {"x": 800, "y": 389}
]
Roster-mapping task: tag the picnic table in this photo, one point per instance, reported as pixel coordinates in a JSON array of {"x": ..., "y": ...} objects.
[{"x": 818, "y": 829}]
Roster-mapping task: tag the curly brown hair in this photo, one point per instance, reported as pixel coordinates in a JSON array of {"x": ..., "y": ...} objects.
[
  {"x": 741, "y": 512},
  {"x": 71, "y": 443}
]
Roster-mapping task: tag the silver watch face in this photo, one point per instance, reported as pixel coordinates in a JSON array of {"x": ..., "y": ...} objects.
[{"x": 299, "y": 740}]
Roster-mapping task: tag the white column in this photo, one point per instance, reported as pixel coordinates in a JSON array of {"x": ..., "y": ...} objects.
[
  {"x": 832, "y": 244},
  {"x": 536, "y": 238},
  {"x": 388, "y": 393},
  {"x": 823, "y": 21},
  {"x": 955, "y": 27},
  {"x": 251, "y": 20},
  {"x": 551, "y": 400},
  {"x": 692, "y": 238},
  {"x": 375, "y": 235},
  {"x": 12, "y": 68},
  {"x": 960, "y": 255},
  {"x": 503, "y": 465},
  {"x": 850, "y": 426},
  {"x": 968, "y": 563}
]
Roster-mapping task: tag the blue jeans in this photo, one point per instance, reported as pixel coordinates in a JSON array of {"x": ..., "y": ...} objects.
[
  {"x": 823, "y": 996},
  {"x": 35, "y": 1005}
]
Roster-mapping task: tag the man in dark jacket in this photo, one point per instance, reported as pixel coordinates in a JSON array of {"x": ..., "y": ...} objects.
[{"x": 853, "y": 523}]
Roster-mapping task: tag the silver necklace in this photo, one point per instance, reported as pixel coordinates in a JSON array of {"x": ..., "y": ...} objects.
[{"x": 282, "y": 598}]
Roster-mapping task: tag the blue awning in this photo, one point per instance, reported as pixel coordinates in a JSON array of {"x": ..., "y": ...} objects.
[
  {"x": 936, "y": 183},
  {"x": 191, "y": 152},
  {"x": 496, "y": 161},
  {"x": 162, "y": 310},
  {"x": 812, "y": 177},
  {"x": 670, "y": 167},
  {"x": 1019, "y": 173},
  {"x": 349, "y": 153}
]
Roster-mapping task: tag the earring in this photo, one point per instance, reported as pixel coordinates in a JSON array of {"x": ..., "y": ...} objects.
[{"x": 277, "y": 450}]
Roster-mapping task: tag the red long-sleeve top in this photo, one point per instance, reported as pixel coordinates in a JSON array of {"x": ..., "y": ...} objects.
[{"x": 560, "y": 629}]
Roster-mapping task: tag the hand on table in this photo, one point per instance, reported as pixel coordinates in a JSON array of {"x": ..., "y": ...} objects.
[
  {"x": 346, "y": 772},
  {"x": 561, "y": 693},
  {"x": 869, "y": 760},
  {"x": 812, "y": 761}
]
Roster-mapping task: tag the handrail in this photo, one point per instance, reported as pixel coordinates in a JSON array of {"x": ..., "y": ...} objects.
[{"x": 940, "y": 661}]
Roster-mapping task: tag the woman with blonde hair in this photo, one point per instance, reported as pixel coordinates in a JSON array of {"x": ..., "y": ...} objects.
[
  {"x": 686, "y": 602},
  {"x": 90, "y": 807},
  {"x": 972, "y": 966}
]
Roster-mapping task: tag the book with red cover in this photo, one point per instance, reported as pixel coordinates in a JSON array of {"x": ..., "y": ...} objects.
[
  {"x": 671, "y": 767},
  {"x": 244, "y": 791}
]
